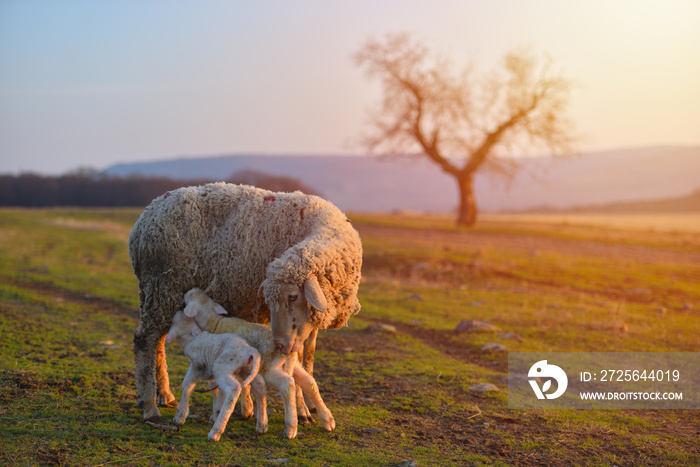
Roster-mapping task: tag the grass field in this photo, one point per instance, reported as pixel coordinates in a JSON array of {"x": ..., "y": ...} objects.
[{"x": 68, "y": 309}]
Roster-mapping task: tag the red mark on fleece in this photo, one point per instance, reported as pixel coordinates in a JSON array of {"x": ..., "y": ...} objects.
[
  {"x": 269, "y": 198},
  {"x": 166, "y": 195},
  {"x": 220, "y": 349}
]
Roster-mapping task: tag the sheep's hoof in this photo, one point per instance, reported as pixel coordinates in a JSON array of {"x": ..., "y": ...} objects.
[
  {"x": 247, "y": 408},
  {"x": 150, "y": 411},
  {"x": 214, "y": 436},
  {"x": 261, "y": 429},
  {"x": 165, "y": 401}
]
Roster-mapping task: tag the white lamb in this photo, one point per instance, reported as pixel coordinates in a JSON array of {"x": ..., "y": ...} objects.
[
  {"x": 278, "y": 370},
  {"x": 225, "y": 358}
]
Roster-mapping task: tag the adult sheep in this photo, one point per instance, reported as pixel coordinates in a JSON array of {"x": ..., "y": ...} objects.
[{"x": 291, "y": 257}]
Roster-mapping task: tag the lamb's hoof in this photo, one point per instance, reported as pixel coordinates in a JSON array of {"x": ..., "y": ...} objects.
[
  {"x": 290, "y": 432},
  {"x": 179, "y": 421},
  {"x": 261, "y": 429},
  {"x": 305, "y": 420},
  {"x": 329, "y": 424},
  {"x": 214, "y": 436}
]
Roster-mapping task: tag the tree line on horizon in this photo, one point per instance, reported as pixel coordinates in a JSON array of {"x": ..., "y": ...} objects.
[{"x": 87, "y": 188}]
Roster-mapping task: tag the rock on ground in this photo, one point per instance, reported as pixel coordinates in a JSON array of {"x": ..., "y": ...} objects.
[
  {"x": 483, "y": 387},
  {"x": 474, "y": 325}
]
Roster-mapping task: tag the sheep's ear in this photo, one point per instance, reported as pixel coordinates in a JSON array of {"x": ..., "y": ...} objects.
[
  {"x": 169, "y": 338},
  {"x": 191, "y": 310},
  {"x": 261, "y": 289},
  {"x": 219, "y": 309},
  {"x": 314, "y": 294}
]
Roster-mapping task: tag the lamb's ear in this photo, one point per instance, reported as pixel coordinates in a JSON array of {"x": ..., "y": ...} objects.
[
  {"x": 191, "y": 309},
  {"x": 169, "y": 338},
  {"x": 219, "y": 309},
  {"x": 314, "y": 294}
]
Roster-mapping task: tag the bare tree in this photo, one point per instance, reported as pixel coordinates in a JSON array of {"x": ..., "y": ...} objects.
[{"x": 461, "y": 124}]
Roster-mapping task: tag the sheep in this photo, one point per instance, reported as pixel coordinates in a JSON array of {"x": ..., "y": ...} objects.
[
  {"x": 225, "y": 358},
  {"x": 291, "y": 258},
  {"x": 278, "y": 370}
]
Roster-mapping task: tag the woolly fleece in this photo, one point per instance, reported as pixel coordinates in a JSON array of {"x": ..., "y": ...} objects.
[{"x": 226, "y": 239}]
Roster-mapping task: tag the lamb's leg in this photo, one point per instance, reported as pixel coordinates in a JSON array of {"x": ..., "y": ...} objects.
[
  {"x": 307, "y": 362},
  {"x": 309, "y": 351},
  {"x": 260, "y": 392},
  {"x": 310, "y": 388},
  {"x": 165, "y": 396},
  {"x": 217, "y": 401},
  {"x": 145, "y": 345},
  {"x": 231, "y": 389},
  {"x": 287, "y": 388},
  {"x": 187, "y": 387},
  {"x": 246, "y": 403},
  {"x": 303, "y": 413}
]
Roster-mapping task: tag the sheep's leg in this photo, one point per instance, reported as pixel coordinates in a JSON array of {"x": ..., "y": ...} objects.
[
  {"x": 260, "y": 392},
  {"x": 165, "y": 396},
  {"x": 145, "y": 345},
  {"x": 246, "y": 403},
  {"x": 187, "y": 387},
  {"x": 307, "y": 383},
  {"x": 231, "y": 390},
  {"x": 287, "y": 388}
]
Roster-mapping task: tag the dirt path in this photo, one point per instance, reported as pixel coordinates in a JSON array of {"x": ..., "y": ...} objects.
[{"x": 61, "y": 295}]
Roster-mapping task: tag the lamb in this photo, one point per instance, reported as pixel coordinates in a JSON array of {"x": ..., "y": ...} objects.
[
  {"x": 278, "y": 370},
  {"x": 289, "y": 257},
  {"x": 225, "y": 358}
]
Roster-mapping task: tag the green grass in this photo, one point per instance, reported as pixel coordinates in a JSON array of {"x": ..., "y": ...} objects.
[{"x": 68, "y": 309}]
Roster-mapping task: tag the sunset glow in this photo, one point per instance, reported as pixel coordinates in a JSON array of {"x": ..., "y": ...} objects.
[{"x": 96, "y": 84}]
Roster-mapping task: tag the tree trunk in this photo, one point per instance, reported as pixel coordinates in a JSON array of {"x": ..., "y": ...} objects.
[{"x": 466, "y": 215}]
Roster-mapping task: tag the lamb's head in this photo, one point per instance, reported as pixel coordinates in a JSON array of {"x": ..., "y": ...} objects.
[
  {"x": 290, "y": 306},
  {"x": 196, "y": 299},
  {"x": 183, "y": 329}
]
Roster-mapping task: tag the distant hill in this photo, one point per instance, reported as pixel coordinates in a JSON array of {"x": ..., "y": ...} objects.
[
  {"x": 682, "y": 204},
  {"x": 368, "y": 184}
]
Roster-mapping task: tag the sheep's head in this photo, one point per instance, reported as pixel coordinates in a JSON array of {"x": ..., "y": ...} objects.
[{"x": 290, "y": 306}]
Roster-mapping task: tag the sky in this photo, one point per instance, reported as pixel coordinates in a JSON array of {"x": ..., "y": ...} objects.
[{"x": 91, "y": 84}]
